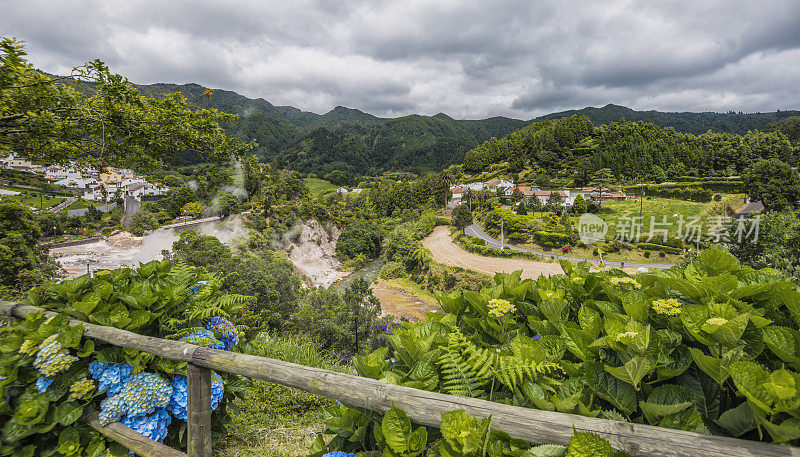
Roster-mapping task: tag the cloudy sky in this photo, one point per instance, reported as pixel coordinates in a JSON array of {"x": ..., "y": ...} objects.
[{"x": 470, "y": 59}]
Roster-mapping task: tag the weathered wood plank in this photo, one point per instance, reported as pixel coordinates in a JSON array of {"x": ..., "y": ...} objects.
[
  {"x": 198, "y": 408},
  {"x": 131, "y": 439},
  {"x": 426, "y": 407},
  {"x": 174, "y": 350},
  {"x": 529, "y": 424}
]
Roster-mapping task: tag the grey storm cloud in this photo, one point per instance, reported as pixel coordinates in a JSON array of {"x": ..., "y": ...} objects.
[{"x": 469, "y": 59}]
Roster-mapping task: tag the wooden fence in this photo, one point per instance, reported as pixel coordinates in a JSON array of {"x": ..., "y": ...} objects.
[{"x": 422, "y": 407}]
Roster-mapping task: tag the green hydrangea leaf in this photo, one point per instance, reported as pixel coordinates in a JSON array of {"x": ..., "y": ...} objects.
[
  {"x": 729, "y": 333},
  {"x": 788, "y": 430},
  {"x": 619, "y": 393},
  {"x": 785, "y": 343},
  {"x": 666, "y": 400},
  {"x": 737, "y": 421},
  {"x": 633, "y": 371},
  {"x": 69, "y": 441},
  {"x": 546, "y": 450},
  {"x": 396, "y": 429},
  {"x": 67, "y": 413},
  {"x": 32, "y": 408},
  {"x": 463, "y": 433},
  {"x": 693, "y": 317},
  {"x": 749, "y": 378},
  {"x": 587, "y": 444}
]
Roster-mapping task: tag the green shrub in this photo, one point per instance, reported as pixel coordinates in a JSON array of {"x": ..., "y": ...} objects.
[
  {"x": 158, "y": 299},
  {"x": 646, "y": 254},
  {"x": 361, "y": 237},
  {"x": 552, "y": 239},
  {"x": 646, "y": 349},
  {"x": 393, "y": 270}
]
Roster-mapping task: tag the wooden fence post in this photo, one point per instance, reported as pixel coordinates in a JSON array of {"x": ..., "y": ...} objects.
[{"x": 198, "y": 408}]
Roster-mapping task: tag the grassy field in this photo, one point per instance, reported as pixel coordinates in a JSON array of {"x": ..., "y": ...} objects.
[
  {"x": 653, "y": 209},
  {"x": 318, "y": 186},
  {"x": 278, "y": 421},
  {"x": 81, "y": 203},
  {"x": 656, "y": 208},
  {"x": 29, "y": 198}
]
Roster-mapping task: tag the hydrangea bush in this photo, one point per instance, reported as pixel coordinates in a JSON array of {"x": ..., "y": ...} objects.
[
  {"x": 50, "y": 374},
  {"x": 712, "y": 348}
]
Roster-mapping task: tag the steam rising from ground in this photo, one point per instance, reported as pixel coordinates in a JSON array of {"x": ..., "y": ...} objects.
[
  {"x": 312, "y": 249},
  {"x": 126, "y": 250}
]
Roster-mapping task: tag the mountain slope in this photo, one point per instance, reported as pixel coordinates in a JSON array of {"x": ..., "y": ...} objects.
[
  {"x": 686, "y": 122},
  {"x": 350, "y": 139}
]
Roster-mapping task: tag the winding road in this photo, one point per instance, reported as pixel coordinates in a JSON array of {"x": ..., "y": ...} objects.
[
  {"x": 476, "y": 231},
  {"x": 444, "y": 250}
]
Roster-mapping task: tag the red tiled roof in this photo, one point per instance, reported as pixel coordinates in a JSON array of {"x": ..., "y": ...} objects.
[
  {"x": 493, "y": 182},
  {"x": 547, "y": 193},
  {"x": 457, "y": 190}
]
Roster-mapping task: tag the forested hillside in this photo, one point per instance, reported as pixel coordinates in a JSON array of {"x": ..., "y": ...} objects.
[
  {"x": 686, "y": 122},
  {"x": 344, "y": 138},
  {"x": 631, "y": 149},
  {"x": 357, "y": 142}
]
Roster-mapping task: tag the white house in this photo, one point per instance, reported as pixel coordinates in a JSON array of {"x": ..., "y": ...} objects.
[
  {"x": 494, "y": 184},
  {"x": 13, "y": 162},
  {"x": 141, "y": 189},
  {"x": 78, "y": 183}
]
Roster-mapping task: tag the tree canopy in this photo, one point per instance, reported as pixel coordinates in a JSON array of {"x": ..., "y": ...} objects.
[{"x": 99, "y": 116}]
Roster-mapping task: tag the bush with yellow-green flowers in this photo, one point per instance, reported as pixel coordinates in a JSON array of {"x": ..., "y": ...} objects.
[
  {"x": 50, "y": 373},
  {"x": 712, "y": 348}
]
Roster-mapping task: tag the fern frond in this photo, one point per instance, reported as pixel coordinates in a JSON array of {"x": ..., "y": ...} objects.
[{"x": 459, "y": 378}]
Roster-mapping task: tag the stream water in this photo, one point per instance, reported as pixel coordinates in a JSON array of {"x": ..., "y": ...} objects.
[
  {"x": 369, "y": 272},
  {"x": 125, "y": 250}
]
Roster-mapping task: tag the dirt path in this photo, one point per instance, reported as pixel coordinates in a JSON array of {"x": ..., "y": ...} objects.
[
  {"x": 445, "y": 251},
  {"x": 402, "y": 303}
]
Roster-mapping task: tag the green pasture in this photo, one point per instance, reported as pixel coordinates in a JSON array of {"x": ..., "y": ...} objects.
[{"x": 317, "y": 186}]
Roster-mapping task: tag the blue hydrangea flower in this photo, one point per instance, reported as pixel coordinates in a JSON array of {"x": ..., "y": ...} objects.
[
  {"x": 43, "y": 383},
  {"x": 339, "y": 454},
  {"x": 110, "y": 377},
  {"x": 153, "y": 426},
  {"x": 203, "y": 338},
  {"x": 141, "y": 395},
  {"x": 229, "y": 336},
  {"x": 196, "y": 287},
  {"x": 177, "y": 403},
  {"x": 536, "y": 337},
  {"x": 51, "y": 359}
]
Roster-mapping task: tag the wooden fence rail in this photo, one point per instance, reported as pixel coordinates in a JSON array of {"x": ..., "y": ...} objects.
[{"x": 422, "y": 407}]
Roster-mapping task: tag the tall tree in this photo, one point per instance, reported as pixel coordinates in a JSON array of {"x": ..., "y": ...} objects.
[
  {"x": 106, "y": 121},
  {"x": 462, "y": 216},
  {"x": 774, "y": 183}
]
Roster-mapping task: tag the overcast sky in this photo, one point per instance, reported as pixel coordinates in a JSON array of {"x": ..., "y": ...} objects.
[{"x": 469, "y": 59}]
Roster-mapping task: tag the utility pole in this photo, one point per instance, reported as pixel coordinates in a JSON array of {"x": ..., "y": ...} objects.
[
  {"x": 641, "y": 199},
  {"x": 355, "y": 328}
]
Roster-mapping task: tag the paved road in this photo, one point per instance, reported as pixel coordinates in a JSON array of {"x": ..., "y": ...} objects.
[
  {"x": 132, "y": 206},
  {"x": 64, "y": 204},
  {"x": 476, "y": 231}
]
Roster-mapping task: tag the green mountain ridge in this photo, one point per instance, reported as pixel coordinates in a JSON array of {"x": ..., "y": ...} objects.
[
  {"x": 684, "y": 122},
  {"x": 352, "y": 140}
]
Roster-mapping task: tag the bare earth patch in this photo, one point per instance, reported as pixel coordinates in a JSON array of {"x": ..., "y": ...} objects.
[{"x": 402, "y": 303}]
